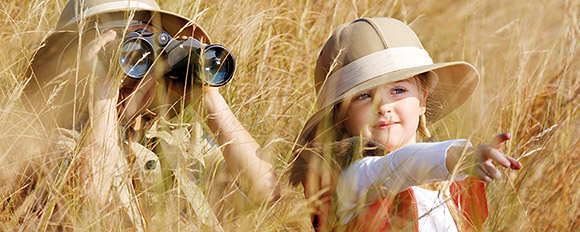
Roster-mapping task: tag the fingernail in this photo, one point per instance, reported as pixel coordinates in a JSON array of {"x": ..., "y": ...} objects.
[
  {"x": 516, "y": 166},
  {"x": 507, "y": 136}
]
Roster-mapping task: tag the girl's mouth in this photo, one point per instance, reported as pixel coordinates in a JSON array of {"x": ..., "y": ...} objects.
[{"x": 385, "y": 124}]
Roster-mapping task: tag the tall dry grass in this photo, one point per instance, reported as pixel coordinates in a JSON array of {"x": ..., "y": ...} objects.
[{"x": 526, "y": 53}]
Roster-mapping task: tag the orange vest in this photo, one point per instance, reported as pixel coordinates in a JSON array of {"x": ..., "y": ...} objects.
[{"x": 400, "y": 212}]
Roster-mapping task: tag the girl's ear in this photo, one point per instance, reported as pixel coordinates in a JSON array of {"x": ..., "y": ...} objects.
[{"x": 424, "y": 101}]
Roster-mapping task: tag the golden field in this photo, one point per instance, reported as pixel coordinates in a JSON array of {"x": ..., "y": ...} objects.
[{"x": 527, "y": 54}]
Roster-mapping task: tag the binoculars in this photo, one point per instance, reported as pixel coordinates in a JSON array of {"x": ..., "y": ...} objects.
[{"x": 142, "y": 52}]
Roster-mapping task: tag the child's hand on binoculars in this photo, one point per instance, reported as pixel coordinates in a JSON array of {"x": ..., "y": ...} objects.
[
  {"x": 91, "y": 66},
  {"x": 484, "y": 157},
  {"x": 192, "y": 93}
]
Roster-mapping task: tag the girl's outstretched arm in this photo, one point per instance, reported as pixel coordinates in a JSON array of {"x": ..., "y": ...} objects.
[
  {"x": 369, "y": 178},
  {"x": 412, "y": 165}
]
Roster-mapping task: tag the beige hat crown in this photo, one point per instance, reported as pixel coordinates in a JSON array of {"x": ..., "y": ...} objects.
[
  {"x": 77, "y": 9},
  {"x": 360, "y": 38},
  {"x": 146, "y": 10}
]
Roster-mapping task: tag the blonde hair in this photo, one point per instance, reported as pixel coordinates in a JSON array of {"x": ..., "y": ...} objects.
[{"x": 422, "y": 82}]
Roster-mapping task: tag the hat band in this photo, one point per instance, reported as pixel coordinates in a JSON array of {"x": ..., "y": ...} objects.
[
  {"x": 119, "y": 5},
  {"x": 369, "y": 67}
]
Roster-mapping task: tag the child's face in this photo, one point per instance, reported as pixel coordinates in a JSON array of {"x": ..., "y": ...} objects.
[{"x": 388, "y": 114}]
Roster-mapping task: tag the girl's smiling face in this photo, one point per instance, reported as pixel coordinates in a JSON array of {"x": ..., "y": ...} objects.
[{"x": 388, "y": 114}]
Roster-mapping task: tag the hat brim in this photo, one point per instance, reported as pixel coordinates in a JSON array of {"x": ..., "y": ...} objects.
[{"x": 457, "y": 81}]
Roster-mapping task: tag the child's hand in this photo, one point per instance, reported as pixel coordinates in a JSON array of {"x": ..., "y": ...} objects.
[
  {"x": 91, "y": 65},
  {"x": 192, "y": 93},
  {"x": 484, "y": 156}
]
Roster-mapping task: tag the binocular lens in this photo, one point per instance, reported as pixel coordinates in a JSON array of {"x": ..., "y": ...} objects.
[
  {"x": 211, "y": 64},
  {"x": 218, "y": 64},
  {"x": 136, "y": 58}
]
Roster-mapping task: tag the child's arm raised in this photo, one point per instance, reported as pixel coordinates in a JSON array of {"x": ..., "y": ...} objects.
[
  {"x": 241, "y": 152},
  {"x": 103, "y": 149}
]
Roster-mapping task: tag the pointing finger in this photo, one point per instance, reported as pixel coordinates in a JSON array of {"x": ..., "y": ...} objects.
[
  {"x": 514, "y": 164},
  {"x": 498, "y": 140},
  {"x": 497, "y": 156}
]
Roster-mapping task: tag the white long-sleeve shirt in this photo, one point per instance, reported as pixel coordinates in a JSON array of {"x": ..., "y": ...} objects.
[{"x": 410, "y": 166}]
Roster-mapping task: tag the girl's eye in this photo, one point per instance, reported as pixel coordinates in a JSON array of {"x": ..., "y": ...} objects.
[
  {"x": 363, "y": 96},
  {"x": 398, "y": 90}
]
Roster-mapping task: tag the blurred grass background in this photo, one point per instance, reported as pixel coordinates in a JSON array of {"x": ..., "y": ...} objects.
[{"x": 526, "y": 53}]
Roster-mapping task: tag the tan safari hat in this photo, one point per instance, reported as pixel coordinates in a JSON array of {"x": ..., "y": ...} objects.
[
  {"x": 370, "y": 52},
  {"x": 78, "y": 14}
]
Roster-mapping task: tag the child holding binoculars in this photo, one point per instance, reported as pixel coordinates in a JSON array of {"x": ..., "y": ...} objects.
[
  {"x": 377, "y": 89},
  {"x": 97, "y": 109}
]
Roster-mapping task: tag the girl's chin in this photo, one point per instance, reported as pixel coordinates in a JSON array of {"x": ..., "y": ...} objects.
[{"x": 390, "y": 144}]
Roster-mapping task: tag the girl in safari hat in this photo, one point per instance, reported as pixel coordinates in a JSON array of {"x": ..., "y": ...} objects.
[
  {"x": 359, "y": 157},
  {"x": 101, "y": 118}
]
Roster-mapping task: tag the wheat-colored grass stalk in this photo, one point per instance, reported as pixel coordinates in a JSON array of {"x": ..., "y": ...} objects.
[{"x": 527, "y": 53}]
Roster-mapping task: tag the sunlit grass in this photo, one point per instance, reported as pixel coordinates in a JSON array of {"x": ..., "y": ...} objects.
[{"x": 526, "y": 53}]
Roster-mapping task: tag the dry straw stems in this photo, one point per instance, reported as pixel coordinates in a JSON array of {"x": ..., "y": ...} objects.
[{"x": 527, "y": 53}]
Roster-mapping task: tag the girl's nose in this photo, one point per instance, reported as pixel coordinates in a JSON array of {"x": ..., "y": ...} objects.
[
  {"x": 382, "y": 101},
  {"x": 384, "y": 108}
]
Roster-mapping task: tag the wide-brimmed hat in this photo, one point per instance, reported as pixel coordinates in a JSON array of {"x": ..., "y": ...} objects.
[
  {"x": 370, "y": 52},
  {"x": 79, "y": 14}
]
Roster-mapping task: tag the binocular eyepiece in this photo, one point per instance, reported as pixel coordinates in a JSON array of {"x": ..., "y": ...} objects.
[{"x": 142, "y": 52}]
